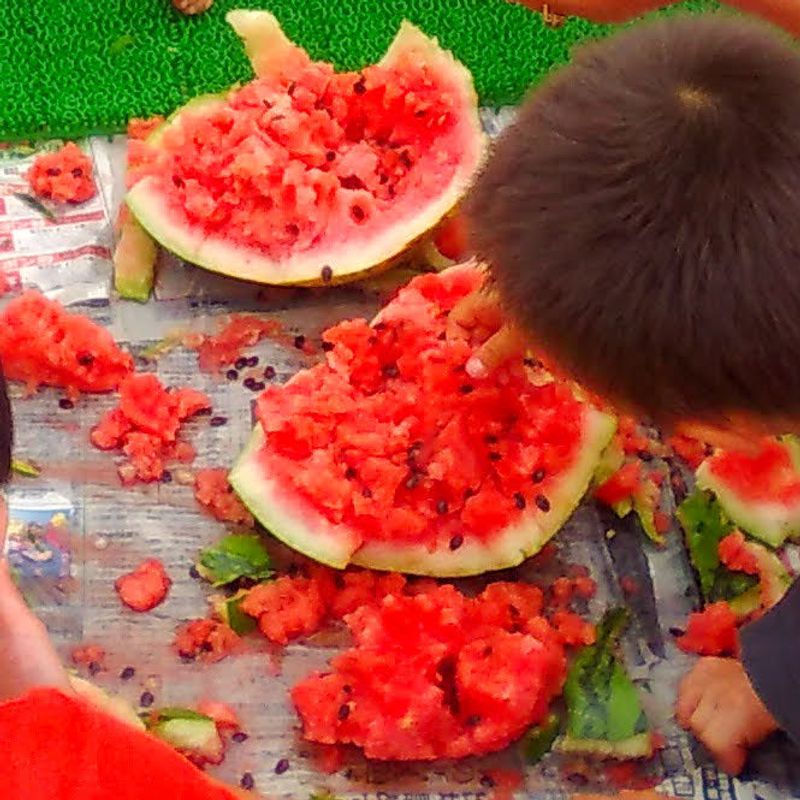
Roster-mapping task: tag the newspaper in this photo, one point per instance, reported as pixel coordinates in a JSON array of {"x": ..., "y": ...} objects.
[{"x": 74, "y": 529}]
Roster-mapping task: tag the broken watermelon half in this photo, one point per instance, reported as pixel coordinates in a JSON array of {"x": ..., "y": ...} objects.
[
  {"x": 306, "y": 175},
  {"x": 389, "y": 456}
]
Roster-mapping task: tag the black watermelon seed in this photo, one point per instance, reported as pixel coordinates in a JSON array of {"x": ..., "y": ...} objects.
[
  {"x": 166, "y": 477},
  {"x": 127, "y": 673},
  {"x": 473, "y": 721},
  {"x": 248, "y": 782},
  {"x": 420, "y": 113},
  {"x": 330, "y": 156},
  {"x": 94, "y": 668},
  {"x": 405, "y": 159},
  {"x": 85, "y": 359},
  {"x": 66, "y": 403},
  {"x": 248, "y": 383},
  {"x": 344, "y": 712},
  {"x": 326, "y": 274},
  {"x": 360, "y": 87},
  {"x": 357, "y": 213},
  {"x": 677, "y": 631},
  {"x": 442, "y": 507},
  {"x": 644, "y": 455},
  {"x": 487, "y": 781},
  {"x": 327, "y": 347},
  {"x": 366, "y": 492},
  {"x": 456, "y": 541},
  {"x": 232, "y": 375},
  {"x": 542, "y": 502},
  {"x": 77, "y": 172},
  {"x": 469, "y": 492},
  {"x": 252, "y": 361},
  {"x": 495, "y": 457},
  {"x": 53, "y": 172},
  {"x": 282, "y": 766},
  {"x": 347, "y": 689},
  {"x": 534, "y": 363},
  {"x": 412, "y": 481},
  {"x": 259, "y": 386},
  {"x": 350, "y": 473},
  {"x": 241, "y": 363},
  {"x": 299, "y": 341},
  {"x": 390, "y": 370},
  {"x": 194, "y": 574},
  {"x": 490, "y": 438},
  {"x": 519, "y": 500},
  {"x": 538, "y": 476},
  {"x": 216, "y": 422},
  {"x": 146, "y": 700},
  {"x": 466, "y": 388},
  {"x": 269, "y": 373},
  {"x": 239, "y": 737}
]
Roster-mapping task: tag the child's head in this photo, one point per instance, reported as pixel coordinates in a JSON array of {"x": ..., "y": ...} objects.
[{"x": 642, "y": 219}]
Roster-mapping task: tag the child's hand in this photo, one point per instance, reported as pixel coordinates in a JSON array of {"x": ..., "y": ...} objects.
[
  {"x": 480, "y": 316},
  {"x": 718, "y": 704}
]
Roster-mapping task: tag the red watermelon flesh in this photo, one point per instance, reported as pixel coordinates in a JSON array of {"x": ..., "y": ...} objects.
[
  {"x": 390, "y": 456},
  {"x": 434, "y": 675},
  {"x": 41, "y": 343},
  {"x": 309, "y": 175}
]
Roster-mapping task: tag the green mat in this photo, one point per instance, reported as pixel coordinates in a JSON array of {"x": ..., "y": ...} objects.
[{"x": 73, "y": 67}]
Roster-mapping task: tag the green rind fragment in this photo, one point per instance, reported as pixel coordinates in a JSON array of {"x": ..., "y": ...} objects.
[
  {"x": 539, "y": 740},
  {"x": 230, "y": 611},
  {"x": 197, "y": 735},
  {"x": 26, "y": 469},
  {"x": 639, "y": 746},
  {"x": 236, "y": 556},
  {"x": 174, "y": 58},
  {"x": 175, "y": 712},
  {"x": 603, "y": 704},
  {"x": 135, "y": 262},
  {"x": 705, "y": 525},
  {"x": 36, "y": 204}
]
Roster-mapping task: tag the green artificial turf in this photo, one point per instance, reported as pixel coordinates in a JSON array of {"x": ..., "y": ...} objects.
[{"x": 72, "y": 67}]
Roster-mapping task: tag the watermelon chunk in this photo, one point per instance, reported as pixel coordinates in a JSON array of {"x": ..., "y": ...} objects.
[
  {"x": 306, "y": 175},
  {"x": 760, "y": 492},
  {"x": 388, "y": 456}
]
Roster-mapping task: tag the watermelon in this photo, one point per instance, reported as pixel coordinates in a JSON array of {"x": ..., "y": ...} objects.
[
  {"x": 306, "y": 175},
  {"x": 41, "y": 343},
  {"x": 759, "y": 491},
  {"x": 434, "y": 675},
  {"x": 388, "y": 455}
]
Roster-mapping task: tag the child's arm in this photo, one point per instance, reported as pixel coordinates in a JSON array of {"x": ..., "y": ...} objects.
[{"x": 783, "y": 13}]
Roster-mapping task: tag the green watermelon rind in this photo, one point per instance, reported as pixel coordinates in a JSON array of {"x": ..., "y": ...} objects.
[
  {"x": 286, "y": 516},
  {"x": 771, "y": 522},
  {"x": 154, "y": 214},
  {"x": 638, "y": 746}
]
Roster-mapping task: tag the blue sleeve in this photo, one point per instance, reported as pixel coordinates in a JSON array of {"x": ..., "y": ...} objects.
[{"x": 770, "y": 651}]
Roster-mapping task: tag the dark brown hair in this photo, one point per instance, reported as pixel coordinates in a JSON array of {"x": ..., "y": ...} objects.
[
  {"x": 6, "y": 432},
  {"x": 642, "y": 218}
]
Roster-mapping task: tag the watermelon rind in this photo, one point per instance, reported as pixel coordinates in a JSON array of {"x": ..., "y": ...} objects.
[
  {"x": 266, "y": 43},
  {"x": 296, "y": 523},
  {"x": 639, "y": 746},
  {"x": 284, "y": 514},
  {"x": 771, "y": 522}
]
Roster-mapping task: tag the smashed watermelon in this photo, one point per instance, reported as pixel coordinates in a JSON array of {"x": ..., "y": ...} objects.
[
  {"x": 389, "y": 456},
  {"x": 306, "y": 175},
  {"x": 759, "y": 491},
  {"x": 435, "y": 675}
]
